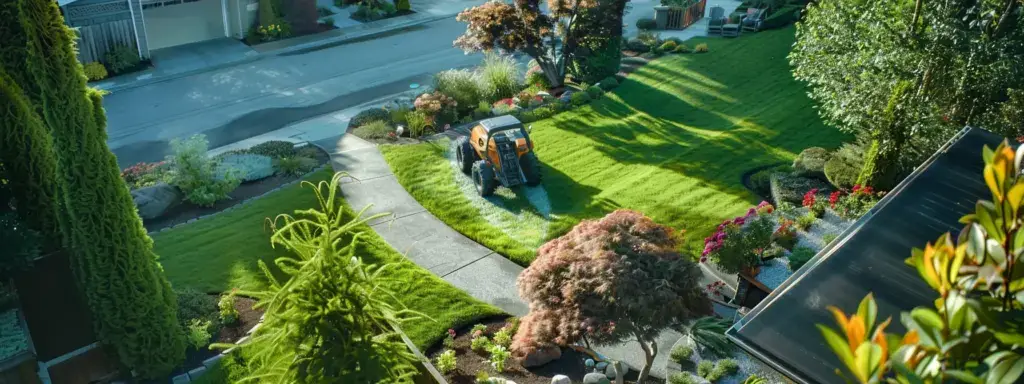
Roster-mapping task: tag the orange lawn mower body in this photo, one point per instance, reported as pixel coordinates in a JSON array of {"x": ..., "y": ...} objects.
[{"x": 498, "y": 151}]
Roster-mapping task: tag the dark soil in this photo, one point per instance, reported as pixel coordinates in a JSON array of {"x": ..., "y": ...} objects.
[
  {"x": 187, "y": 211},
  {"x": 571, "y": 364},
  {"x": 248, "y": 318}
]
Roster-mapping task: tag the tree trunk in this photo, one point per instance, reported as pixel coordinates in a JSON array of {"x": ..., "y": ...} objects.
[
  {"x": 650, "y": 351},
  {"x": 881, "y": 161}
]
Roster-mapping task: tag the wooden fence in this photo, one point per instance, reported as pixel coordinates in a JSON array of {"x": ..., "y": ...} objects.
[
  {"x": 680, "y": 18},
  {"x": 96, "y": 40}
]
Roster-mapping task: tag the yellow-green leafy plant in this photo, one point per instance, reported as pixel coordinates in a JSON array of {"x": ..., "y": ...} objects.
[
  {"x": 226, "y": 308},
  {"x": 972, "y": 334},
  {"x": 701, "y": 48},
  {"x": 503, "y": 337},
  {"x": 330, "y": 320},
  {"x": 446, "y": 361},
  {"x": 480, "y": 343},
  {"x": 418, "y": 122},
  {"x": 95, "y": 71},
  {"x": 499, "y": 355},
  {"x": 198, "y": 333}
]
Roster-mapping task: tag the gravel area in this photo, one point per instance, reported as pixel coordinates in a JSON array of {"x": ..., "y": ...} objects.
[
  {"x": 747, "y": 363},
  {"x": 776, "y": 271}
]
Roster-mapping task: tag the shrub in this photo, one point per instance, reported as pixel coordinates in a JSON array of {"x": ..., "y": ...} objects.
[
  {"x": 310, "y": 151},
  {"x": 681, "y": 354},
  {"x": 535, "y": 77},
  {"x": 604, "y": 266},
  {"x": 194, "y": 173},
  {"x": 403, "y": 6},
  {"x": 755, "y": 379},
  {"x": 374, "y": 130},
  {"x": 723, "y": 368},
  {"x": 446, "y": 361},
  {"x": 761, "y": 181},
  {"x": 709, "y": 333},
  {"x": 226, "y": 309},
  {"x": 482, "y": 377},
  {"x": 579, "y": 98},
  {"x": 738, "y": 249},
  {"x": 683, "y": 378},
  {"x": 434, "y": 103},
  {"x": 609, "y": 83},
  {"x": 369, "y": 115},
  {"x": 121, "y": 58},
  {"x": 806, "y": 221},
  {"x": 143, "y": 175},
  {"x": 245, "y": 167},
  {"x": 646, "y": 24},
  {"x": 499, "y": 77},
  {"x": 196, "y": 305},
  {"x": 503, "y": 337},
  {"x": 828, "y": 238},
  {"x": 480, "y": 343},
  {"x": 701, "y": 48},
  {"x": 295, "y": 165},
  {"x": 811, "y": 162},
  {"x": 198, "y": 334},
  {"x": 791, "y": 189},
  {"x": 327, "y": 21},
  {"x": 399, "y": 115},
  {"x": 462, "y": 85},
  {"x": 682, "y": 48},
  {"x": 499, "y": 354},
  {"x": 274, "y": 149},
  {"x": 326, "y": 293},
  {"x": 845, "y": 165},
  {"x": 705, "y": 367},
  {"x": 668, "y": 46},
  {"x": 418, "y": 123},
  {"x": 449, "y": 339},
  {"x": 478, "y": 329},
  {"x": 482, "y": 111},
  {"x": 95, "y": 71},
  {"x": 652, "y": 39},
  {"x": 785, "y": 235},
  {"x": 595, "y": 92},
  {"x": 855, "y": 204},
  {"x": 781, "y": 17},
  {"x": 637, "y": 45},
  {"x": 799, "y": 257}
]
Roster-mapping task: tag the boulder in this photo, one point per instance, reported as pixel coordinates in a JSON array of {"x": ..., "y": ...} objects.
[
  {"x": 596, "y": 378},
  {"x": 156, "y": 200},
  {"x": 610, "y": 370},
  {"x": 566, "y": 96},
  {"x": 542, "y": 356},
  {"x": 561, "y": 379}
]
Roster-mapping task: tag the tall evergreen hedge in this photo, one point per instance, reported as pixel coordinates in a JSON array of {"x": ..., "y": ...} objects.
[
  {"x": 26, "y": 149},
  {"x": 133, "y": 306}
]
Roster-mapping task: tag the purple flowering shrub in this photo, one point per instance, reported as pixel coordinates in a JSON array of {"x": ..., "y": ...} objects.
[
  {"x": 737, "y": 244},
  {"x": 604, "y": 280}
]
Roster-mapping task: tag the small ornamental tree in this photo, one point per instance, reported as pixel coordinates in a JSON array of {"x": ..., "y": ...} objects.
[
  {"x": 549, "y": 38},
  {"x": 973, "y": 333},
  {"x": 606, "y": 281}
]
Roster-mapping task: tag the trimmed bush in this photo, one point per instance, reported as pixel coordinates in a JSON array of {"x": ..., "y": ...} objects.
[
  {"x": 681, "y": 354},
  {"x": 668, "y": 46},
  {"x": 274, "y": 149},
  {"x": 402, "y": 6},
  {"x": 579, "y": 98},
  {"x": 609, "y": 83},
  {"x": 682, "y": 48},
  {"x": 295, "y": 166},
  {"x": 367, "y": 115},
  {"x": 133, "y": 306},
  {"x": 811, "y": 162},
  {"x": 799, "y": 257},
  {"x": 197, "y": 305},
  {"x": 646, "y": 24},
  {"x": 791, "y": 189},
  {"x": 843, "y": 169},
  {"x": 701, "y": 48},
  {"x": 723, "y": 368},
  {"x": 637, "y": 45},
  {"x": 595, "y": 92},
  {"x": 705, "y": 367},
  {"x": 95, "y": 71},
  {"x": 782, "y": 17},
  {"x": 122, "y": 58},
  {"x": 195, "y": 174},
  {"x": 683, "y": 378}
]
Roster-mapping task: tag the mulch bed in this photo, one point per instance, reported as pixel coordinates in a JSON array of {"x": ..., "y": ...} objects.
[
  {"x": 187, "y": 211},
  {"x": 571, "y": 364},
  {"x": 248, "y": 318}
]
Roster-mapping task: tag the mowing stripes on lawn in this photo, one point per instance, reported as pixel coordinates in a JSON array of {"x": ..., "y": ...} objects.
[{"x": 673, "y": 142}]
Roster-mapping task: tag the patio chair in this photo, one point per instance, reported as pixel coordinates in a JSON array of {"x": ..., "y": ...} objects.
[
  {"x": 731, "y": 28},
  {"x": 752, "y": 21},
  {"x": 716, "y": 20}
]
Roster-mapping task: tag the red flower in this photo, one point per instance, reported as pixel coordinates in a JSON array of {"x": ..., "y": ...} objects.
[
  {"x": 834, "y": 198},
  {"x": 809, "y": 198},
  {"x": 451, "y": 333}
]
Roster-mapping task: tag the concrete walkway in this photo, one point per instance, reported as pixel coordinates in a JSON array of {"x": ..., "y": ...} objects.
[{"x": 430, "y": 243}]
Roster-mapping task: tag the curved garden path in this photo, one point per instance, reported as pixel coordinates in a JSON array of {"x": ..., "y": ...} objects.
[{"x": 410, "y": 229}]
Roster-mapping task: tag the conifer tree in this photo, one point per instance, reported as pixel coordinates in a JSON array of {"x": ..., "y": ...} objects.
[{"x": 133, "y": 306}]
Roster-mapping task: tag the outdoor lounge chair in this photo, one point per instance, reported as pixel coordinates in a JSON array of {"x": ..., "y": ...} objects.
[
  {"x": 716, "y": 20},
  {"x": 752, "y": 22}
]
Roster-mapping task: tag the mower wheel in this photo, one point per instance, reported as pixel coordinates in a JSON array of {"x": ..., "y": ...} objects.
[
  {"x": 531, "y": 168},
  {"x": 464, "y": 154},
  {"x": 483, "y": 178}
]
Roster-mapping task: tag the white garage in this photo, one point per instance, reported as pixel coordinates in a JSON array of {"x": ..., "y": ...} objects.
[{"x": 176, "y": 22}]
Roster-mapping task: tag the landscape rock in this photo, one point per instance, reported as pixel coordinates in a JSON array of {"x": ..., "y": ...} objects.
[
  {"x": 596, "y": 378},
  {"x": 541, "y": 356},
  {"x": 156, "y": 200},
  {"x": 609, "y": 372},
  {"x": 566, "y": 96},
  {"x": 561, "y": 379}
]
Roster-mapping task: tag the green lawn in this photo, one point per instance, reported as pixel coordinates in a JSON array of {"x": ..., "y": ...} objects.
[
  {"x": 220, "y": 253},
  {"x": 672, "y": 142}
]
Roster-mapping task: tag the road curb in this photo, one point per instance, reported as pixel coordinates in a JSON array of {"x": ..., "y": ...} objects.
[{"x": 280, "y": 52}]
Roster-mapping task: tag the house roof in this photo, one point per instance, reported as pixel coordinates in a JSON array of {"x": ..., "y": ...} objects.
[{"x": 868, "y": 257}]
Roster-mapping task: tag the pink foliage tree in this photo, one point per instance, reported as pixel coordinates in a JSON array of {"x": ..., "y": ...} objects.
[
  {"x": 550, "y": 38},
  {"x": 607, "y": 281}
]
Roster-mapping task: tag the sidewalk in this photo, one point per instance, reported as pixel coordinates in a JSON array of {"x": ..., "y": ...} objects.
[
  {"x": 644, "y": 9},
  {"x": 221, "y": 53}
]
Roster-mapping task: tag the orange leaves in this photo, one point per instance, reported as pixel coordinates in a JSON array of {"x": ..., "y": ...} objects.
[
  {"x": 939, "y": 263},
  {"x": 863, "y": 357}
]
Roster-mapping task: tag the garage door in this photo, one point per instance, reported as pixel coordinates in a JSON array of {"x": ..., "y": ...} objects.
[{"x": 177, "y": 22}]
